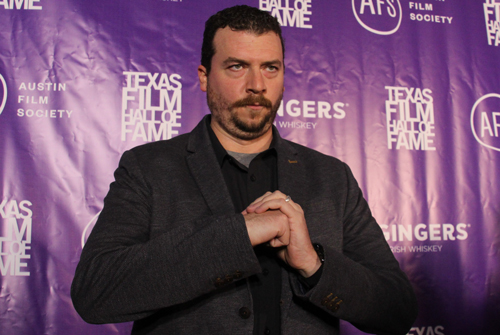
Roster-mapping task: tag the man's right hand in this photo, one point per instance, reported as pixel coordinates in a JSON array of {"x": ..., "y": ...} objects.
[{"x": 270, "y": 226}]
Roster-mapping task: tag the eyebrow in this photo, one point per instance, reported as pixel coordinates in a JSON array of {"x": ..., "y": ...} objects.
[{"x": 230, "y": 60}]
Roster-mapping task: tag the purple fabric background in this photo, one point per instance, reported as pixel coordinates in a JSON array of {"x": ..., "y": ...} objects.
[{"x": 428, "y": 163}]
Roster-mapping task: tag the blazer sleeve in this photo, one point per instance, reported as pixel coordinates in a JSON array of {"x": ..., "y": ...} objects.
[
  {"x": 362, "y": 284},
  {"x": 126, "y": 274}
]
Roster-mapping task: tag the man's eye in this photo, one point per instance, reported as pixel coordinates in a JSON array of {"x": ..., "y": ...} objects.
[
  {"x": 236, "y": 67},
  {"x": 272, "y": 68}
]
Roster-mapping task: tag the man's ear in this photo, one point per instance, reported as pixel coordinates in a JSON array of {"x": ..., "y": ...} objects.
[{"x": 203, "y": 77}]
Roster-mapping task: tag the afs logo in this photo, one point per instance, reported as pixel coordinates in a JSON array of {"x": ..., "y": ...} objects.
[
  {"x": 382, "y": 17},
  {"x": 485, "y": 121},
  {"x": 3, "y": 93}
]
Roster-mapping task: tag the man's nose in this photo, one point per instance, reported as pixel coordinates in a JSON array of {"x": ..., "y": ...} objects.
[{"x": 255, "y": 82}]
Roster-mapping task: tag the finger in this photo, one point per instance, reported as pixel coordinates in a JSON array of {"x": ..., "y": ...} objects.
[
  {"x": 282, "y": 255},
  {"x": 266, "y": 197},
  {"x": 262, "y": 197},
  {"x": 278, "y": 243},
  {"x": 281, "y": 241},
  {"x": 289, "y": 208},
  {"x": 257, "y": 201}
]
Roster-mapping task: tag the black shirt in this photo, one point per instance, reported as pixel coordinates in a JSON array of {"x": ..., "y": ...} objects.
[{"x": 245, "y": 184}]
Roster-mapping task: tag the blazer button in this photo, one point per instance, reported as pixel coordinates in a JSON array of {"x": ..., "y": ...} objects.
[{"x": 244, "y": 312}]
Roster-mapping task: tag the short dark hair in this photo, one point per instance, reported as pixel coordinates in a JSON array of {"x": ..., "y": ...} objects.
[{"x": 238, "y": 18}]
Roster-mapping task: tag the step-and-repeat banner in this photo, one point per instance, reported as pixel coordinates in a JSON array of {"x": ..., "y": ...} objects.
[{"x": 406, "y": 92}]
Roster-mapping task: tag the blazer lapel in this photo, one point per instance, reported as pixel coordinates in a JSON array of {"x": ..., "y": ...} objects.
[
  {"x": 290, "y": 171},
  {"x": 206, "y": 171}
]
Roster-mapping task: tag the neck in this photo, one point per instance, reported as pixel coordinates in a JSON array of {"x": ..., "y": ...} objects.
[{"x": 231, "y": 143}]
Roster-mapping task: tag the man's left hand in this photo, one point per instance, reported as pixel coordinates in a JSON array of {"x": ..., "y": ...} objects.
[{"x": 299, "y": 253}]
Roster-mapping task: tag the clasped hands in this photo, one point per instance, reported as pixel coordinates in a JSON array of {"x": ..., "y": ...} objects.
[{"x": 270, "y": 219}]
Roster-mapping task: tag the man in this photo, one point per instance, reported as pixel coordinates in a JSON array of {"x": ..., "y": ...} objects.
[{"x": 232, "y": 230}]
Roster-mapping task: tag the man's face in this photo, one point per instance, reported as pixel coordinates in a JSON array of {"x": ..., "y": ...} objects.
[{"x": 245, "y": 84}]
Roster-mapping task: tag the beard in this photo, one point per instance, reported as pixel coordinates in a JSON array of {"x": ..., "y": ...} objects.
[{"x": 226, "y": 115}]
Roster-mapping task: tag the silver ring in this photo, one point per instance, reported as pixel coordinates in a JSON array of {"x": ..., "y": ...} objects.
[{"x": 288, "y": 198}]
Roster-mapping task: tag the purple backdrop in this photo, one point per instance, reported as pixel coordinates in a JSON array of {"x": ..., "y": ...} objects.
[{"x": 406, "y": 92}]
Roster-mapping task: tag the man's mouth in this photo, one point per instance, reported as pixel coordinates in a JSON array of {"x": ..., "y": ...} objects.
[
  {"x": 253, "y": 102},
  {"x": 255, "y": 106}
]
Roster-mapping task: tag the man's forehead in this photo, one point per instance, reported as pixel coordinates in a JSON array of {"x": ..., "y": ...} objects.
[
  {"x": 230, "y": 30},
  {"x": 228, "y": 38}
]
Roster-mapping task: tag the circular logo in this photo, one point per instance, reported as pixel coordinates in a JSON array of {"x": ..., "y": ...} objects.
[
  {"x": 88, "y": 229},
  {"x": 382, "y": 17},
  {"x": 485, "y": 121},
  {"x": 3, "y": 93}
]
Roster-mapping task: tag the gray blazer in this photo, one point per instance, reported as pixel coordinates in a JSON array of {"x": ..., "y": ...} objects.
[{"x": 169, "y": 252}]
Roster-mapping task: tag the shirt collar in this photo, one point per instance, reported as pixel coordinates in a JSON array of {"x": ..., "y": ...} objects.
[{"x": 220, "y": 152}]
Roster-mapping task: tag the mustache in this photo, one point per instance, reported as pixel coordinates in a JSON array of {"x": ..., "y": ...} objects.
[{"x": 252, "y": 100}]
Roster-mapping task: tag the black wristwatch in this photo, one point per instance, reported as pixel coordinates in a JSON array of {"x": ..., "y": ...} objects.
[{"x": 319, "y": 250}]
